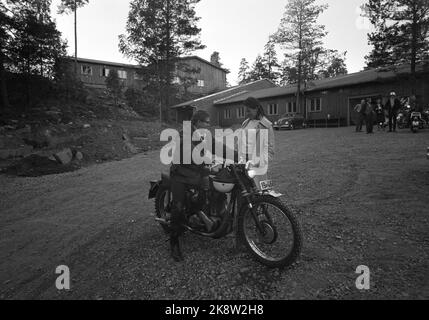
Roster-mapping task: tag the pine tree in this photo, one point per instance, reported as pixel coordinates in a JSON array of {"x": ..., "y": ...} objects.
[
  {"x": 68, "y": 6},
  {"x": 114, "y": 85},
  {"x": 158, "y": 32},
  {"x": 300, "y": 35},
  {"x": 258, "y": 70},
  {"x": 401, "y": 32},
  {"x": 243, "y": 72},
  {"x": 271, "y": 62},
  {"x": 32, "y": 45},
  {"x": 334, "y": 64}
]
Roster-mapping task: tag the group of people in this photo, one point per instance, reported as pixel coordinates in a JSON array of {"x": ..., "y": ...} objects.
[
  {"x": 183, "y": 175},
  {"x": 372, "y": 110}
]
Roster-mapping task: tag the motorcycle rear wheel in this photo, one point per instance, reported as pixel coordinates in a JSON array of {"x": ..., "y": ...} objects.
[
  {"x": 260, "y": 245},
  {"x": 161, "y": 208}
]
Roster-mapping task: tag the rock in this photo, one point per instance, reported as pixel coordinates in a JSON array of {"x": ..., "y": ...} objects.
[
  {"x": 130, "y": 147},
  {"x": 64, "y": 157},
  {"x": 86, "y": 126},
  {"x": 78, "y": 156}
]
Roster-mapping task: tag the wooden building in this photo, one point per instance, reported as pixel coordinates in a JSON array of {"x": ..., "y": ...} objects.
[
  {"x": 330, "y": 100},
  {"x": 211, "y": 78}
]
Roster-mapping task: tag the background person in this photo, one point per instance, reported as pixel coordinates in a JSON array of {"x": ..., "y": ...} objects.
[
  {"x": 392, "y": 107},
  {"x": 379, "y": 111},
  {"x": 370, "y": 115},
  {"x": 361, "y": 110}
]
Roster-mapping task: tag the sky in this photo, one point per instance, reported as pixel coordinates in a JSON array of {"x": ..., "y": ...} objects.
[{"x": 235, "y": 28}]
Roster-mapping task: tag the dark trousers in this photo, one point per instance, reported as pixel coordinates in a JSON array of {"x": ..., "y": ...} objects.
[
  {"x": 392, "y": 121},
  {"x": 360, "y": 121},
  {"x": 178, "y": 190},
  {"x": 369, "y": 123}
]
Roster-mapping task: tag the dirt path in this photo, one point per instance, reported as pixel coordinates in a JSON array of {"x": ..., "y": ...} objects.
[{"x": 362, "y": 200}]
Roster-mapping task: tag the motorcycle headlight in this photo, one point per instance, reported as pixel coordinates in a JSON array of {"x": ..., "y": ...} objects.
[{"x": 251, "y": 173}]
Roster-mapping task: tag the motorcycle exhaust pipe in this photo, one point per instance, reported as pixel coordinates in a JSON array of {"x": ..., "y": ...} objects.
[
  {"x": 207, "y": 221},
  {"x": 162, "y": 221}
]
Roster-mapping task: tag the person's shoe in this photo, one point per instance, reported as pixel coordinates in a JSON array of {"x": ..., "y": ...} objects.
[{"x": 176, "y": 253}]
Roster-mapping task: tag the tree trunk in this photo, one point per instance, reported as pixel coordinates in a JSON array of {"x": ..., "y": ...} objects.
[
  {"x": 167, "y": 64},
  {"x": 4, "y": 95},
  {"x": 75, "y": 38},
  {"x": 414, "y": 32}
]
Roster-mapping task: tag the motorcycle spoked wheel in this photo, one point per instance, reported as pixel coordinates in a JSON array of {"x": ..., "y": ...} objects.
[
  {"x": 280, "y": 244},
  {"x": 162, "y": 208}
]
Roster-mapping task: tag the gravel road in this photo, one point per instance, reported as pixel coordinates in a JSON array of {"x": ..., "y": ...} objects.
[{"x": 362, "y": 200}]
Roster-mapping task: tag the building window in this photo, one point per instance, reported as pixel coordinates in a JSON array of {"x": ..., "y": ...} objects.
[
  {"x": 105, "y": 72},
  {"x": 314, "y": 105},
  {"x": 86, "y": 70},
  {"x": 122, "y": 74},
  {"x": 291, "y": 107},
  {"x": 241, "y": 113},
  {"x": 200, "y": 83},
  {"x": 227, "y": 114},
  {"x": 273, "y": 109}
]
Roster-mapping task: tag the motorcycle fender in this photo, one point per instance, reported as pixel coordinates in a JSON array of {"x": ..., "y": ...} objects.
[
  {"x": 274, "y": 194},
  {"x": 154, "y": 187}
]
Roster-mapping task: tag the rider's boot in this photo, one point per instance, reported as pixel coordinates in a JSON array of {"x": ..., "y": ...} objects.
[
  {"x": 176, "y": 253},
  {"x": 176, "y": 230}
]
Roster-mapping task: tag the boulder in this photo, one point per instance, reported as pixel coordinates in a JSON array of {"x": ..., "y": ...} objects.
[
  {"x": 78, "y": 156},
  {"x": 64, "y": 157},
  {"x": 130, "y": 147}
]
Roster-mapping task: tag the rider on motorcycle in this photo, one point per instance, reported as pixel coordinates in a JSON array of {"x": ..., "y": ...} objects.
[{"x": 183, "y": 175}]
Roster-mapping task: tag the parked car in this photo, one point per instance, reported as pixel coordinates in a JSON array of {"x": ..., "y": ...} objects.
[{"x": 290, "y": 121}]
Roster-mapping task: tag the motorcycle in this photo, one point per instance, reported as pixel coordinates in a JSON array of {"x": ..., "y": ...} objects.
[
  {"x": 403, "y": 116},
  {"x": 230, "y": 199},
  {"x": 416, "y": 121}
]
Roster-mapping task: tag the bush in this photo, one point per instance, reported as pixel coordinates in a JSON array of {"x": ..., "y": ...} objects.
[{"x": 142, "y": 101}]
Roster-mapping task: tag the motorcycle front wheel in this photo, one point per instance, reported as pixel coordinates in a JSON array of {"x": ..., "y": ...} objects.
[{"x": 280, "y": 242}]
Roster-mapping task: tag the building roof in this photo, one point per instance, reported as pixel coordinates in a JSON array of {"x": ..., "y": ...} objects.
[
  {"x": 368, "y": 76},
  {"x": 134, "y": 66},
  {"x": 107, "y": 63},
  {"x": 260, "y": 94},
  {"x": 372, "y": 75},
  {"x": 225, "y": 94}
]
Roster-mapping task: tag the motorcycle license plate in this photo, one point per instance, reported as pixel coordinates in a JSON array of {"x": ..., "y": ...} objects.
[{"x": 266, "y": 185}]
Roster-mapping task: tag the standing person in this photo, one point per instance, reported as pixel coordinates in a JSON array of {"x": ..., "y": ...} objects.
[
  {"x": 379, "y": 110},
  {"x": 257, "y": 120},
  {"x": 392, "y": 107},
  {"x": 361, "y": 110},
  {"x": 369, "y": 116}
]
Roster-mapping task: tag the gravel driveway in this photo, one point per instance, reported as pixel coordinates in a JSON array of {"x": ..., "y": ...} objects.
[{"x": 362, "y": 200}]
